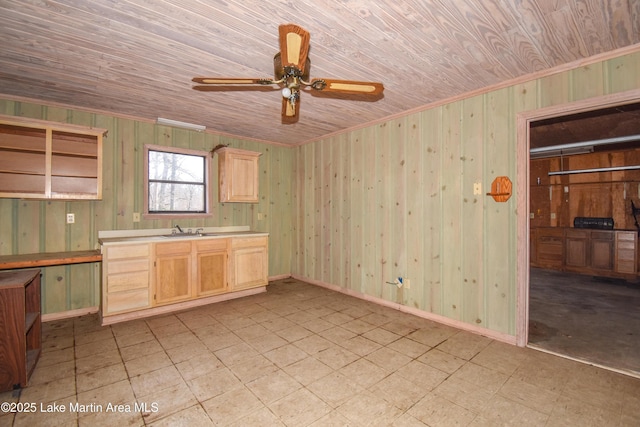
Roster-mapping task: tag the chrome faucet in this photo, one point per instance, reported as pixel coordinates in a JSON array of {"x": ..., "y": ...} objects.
[{"x": 179, "y": 229}]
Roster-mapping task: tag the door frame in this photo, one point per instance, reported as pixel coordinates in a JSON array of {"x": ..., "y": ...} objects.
[{"x": 523, "y": 121}]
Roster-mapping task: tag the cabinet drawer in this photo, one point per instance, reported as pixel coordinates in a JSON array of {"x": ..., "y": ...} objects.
[
  {"x": 626, "y": 236},
  {"x": 127, "y": 251},
  {"x": 128, "y": 281},
  {"x": 126, "y": 301},
  {"x": 127, "y": 266},
  {"x": 577, "y": 234},
  {"x": 248, "y": 242},
  {"x": 601, "y": 235},
  {"x": 173, "y": 248},
  {"x": 211, "y": 244}
]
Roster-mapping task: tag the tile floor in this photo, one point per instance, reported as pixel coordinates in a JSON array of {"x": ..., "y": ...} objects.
[{"x": 301, "y": 355}]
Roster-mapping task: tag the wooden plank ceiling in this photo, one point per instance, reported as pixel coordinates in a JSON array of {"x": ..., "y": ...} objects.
[{"x": 137, "y": 57}]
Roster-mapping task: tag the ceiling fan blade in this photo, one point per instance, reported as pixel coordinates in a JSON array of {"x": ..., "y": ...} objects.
[
  {"x": 294, "y": 46},
  {"x": 347, "y": 86},
  {"x": 290, "y": 113},
  {"x": 230, "y": 81}
]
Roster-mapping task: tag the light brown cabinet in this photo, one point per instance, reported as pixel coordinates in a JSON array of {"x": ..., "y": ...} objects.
[
  {"x": 248, "y": 263},
  {"x": 142, "y": 278},
  {"x": 172, "y": 272},
  {"x": 125, "y": 278},
  {"x": 238, "y": 175},
  {"x": 21, "y": 337},
  {"x": 48, "y": 160},
  {"x": 211, "y": 265}
]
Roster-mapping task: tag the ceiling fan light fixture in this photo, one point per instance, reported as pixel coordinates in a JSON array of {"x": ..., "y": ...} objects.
[{"x": 286, "y": 92}]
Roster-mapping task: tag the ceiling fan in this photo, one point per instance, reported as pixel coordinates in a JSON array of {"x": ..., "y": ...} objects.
[{"x": 291, "y": 70}]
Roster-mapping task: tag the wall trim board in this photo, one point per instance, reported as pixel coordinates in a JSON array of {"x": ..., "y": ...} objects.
[
  {"x": 70, "y": 313},
  {"x": 523, "y": 121},
  {"x": 498, "y": 336}
]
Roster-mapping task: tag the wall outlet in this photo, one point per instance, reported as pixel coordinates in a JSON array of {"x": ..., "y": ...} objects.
[
  {"x": 71, "y": 218},
  {"x": 532, "y": 215},
  {"x": 407, "y": 283},
  {"x": 477, "y": 188},
  {"x": 136, "y": 217},
  {"x": 260, "y": 216}
]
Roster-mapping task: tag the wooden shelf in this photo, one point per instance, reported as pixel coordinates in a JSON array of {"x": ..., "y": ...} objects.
[{"x": 46, "y": 259}]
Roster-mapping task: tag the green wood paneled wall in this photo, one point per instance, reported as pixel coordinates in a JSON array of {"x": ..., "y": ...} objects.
[
  {"x": 396, "y": 199},
  {"x": 28, "y": 226}
]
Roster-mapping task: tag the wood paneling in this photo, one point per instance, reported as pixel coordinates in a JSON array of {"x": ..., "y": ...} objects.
[
  {"x": 137, "y": 57},
  {"x": 28, "y": 226},
  {"x": 412, "y": 208}
]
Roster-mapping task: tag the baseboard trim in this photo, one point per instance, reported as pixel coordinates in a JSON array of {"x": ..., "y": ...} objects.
[
  {"x": 69, "y": 314},
  {"x": 498, "y": 336}
]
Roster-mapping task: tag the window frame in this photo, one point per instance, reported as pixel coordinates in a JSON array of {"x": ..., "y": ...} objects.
[{"x": 206, "y": 155}]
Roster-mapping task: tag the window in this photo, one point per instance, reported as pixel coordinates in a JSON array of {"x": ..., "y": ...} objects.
[{"x": 176, "y": 182}]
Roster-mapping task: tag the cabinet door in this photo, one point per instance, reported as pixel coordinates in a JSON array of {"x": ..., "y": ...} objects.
[
  {"x": 576, "y": 248},
  {"x": 602, "y": 250},
  {"x": 238, "y": 175},
  {"x": 211, "y": 258},
  {"x": 249, "y": 267},
  {"x": 212, "y": 273},
  {"x": 173, "y": 272}
]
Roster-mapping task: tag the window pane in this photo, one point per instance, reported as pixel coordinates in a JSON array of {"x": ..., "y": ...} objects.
[
  {"x": 167, "y": 197},
  {"x": 175, "y": 167}
]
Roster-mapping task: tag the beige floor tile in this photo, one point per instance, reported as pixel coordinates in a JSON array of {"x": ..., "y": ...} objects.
[
  {"x": 153, "y": 381},
  {"x": 253, "y": 368},
  {"x": 286, "y": 355},
  {"x": 443, "y": 361},
  {"x": 358, "y": 326},
  {"x": 86, "y": 338},
  {"x": 181, "y": 354},
  {"x": 300, "y": 408},
  {"x": 529, "y": 395},
  {"x": 165, "y": 402},
  {"x": 50, "y": 392},
  {"x": 192, "y": 416},
  {"x": 294, "y": 333},
  {"x": 126, "y": 340},
  {"x": 237, "y": 353},
  {"x": 381, "y": 336},
  {"x": 398, "y": 391},
  {"x": 307, "y": 370},
  {"x": 259, "y": 418},
  {"x": 504, "y": 358},
  {"x": 96, "y": 347},
  {"x": 90, "y": 363},
  {"x": 277, "y": 324},
  {"x": 120, "y": 418},
  {"x": 140, "y": 350},
  {"x": 214, "y": 384},
  {"x": 273, "y": 386},
  {"x": 388, "y": 359},
  {"x": 198, "y": 366},
  {"x": 56, "y": 356},
  {"x": 132, "y": 327},
  {"x": 231, "y": 406},
  {"x": 222, "y": 341},
  {"x": 409, "y": 347},
  {"x": 464, "y": 345},
  {"x": 436, "y": 411},
  {"x": 100, "y": 377},
  {"x": 334, "y": 389},
  {"x": 336, "y": 357},
  {"x": 254, "y": 330},
  {"x": 360, "y": 345},
  {"x": 503, "y": 411},
  {"x": 422, "y": 375},
  {"x": 433, "y": 335},
  {"x": 486, "y": 378},
  {"x": 317, "y": 325},
  {"x": 363, "y": 372},
  {"x": 114, "y": 393},
  {"x": 464, "y": 394},
  {"x": 148, "y": 363},
  {"x": 45, "y": 415},
  {"x": 334, "y": 419},
  {"x": 45, "y": 374},
  {"x": 266, "y": 342},
  {"x": 369, "y": 409},
  {"x": 313, "y": 344}
]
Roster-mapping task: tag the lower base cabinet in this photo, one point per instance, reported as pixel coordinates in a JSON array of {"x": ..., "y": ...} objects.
[{"x": 141, "y": 277}]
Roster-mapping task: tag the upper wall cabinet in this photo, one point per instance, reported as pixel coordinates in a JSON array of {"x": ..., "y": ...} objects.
[
  {"x": 237, "y": 175},
  {"x": 49, "y": 160}
]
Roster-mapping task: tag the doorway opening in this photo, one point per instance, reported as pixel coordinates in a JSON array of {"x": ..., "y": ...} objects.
[{"x": 553, "y": 298}]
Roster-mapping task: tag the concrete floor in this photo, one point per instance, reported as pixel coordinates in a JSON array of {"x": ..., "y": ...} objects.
[{"x": 593, "y": 319}]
